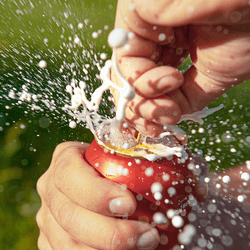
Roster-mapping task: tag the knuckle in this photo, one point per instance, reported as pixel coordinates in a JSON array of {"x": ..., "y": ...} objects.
[
  {"x": 39, "y": 219},
  {"x": 40, "y": 185},
  {"x": 40, "y": 242}
]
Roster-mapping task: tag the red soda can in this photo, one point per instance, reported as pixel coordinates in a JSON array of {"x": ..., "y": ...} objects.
[{"x": 162, "y": 187}]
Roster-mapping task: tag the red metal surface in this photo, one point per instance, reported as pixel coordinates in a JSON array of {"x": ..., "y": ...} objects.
[{"x": 131, "y": 173}]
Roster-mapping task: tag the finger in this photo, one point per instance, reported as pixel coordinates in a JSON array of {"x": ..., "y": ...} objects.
[
  {"x": 161, "y": 110},
  {"x": 84, "y": 225},
  {"x": 158, "y": 81},
  {"x": 127, "y": 16},
  {"x": 142, "y": 125},
  {"x": 89, "y": 189},
  {"x": 221, "y": 54},
  {"x": 42, "y": 242},
  {"x": 177, "y": 13},
  {"x": 53, "y": 235}
]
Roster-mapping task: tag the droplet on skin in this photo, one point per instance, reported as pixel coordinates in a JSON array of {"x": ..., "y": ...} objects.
[
  {"x": 127, "y": 47},
  {"x": 235, "y": 16},
  {"x": 131, "y": 35},
  {"x": 190, "y": 9},
  {"x": 162, "y": 37},
  {"x": 132, "y": 6}
]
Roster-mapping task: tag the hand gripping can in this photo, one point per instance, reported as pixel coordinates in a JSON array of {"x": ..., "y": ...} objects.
[{"x": 162, "y": 187}]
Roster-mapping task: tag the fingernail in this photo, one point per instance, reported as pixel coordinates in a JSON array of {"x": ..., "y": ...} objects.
[
  {"x": 148, "y": 240},
  {"x": 121, "y": 206}
]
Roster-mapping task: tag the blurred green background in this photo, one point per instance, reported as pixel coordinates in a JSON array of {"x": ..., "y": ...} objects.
[{"x": 32, "y": 30}]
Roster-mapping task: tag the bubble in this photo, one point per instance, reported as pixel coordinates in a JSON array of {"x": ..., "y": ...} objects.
[
  {"x": 227, "y": 240},
  {"x": 207, "y": 179},
  {"x": 171, "y": 191},
  {"x": 125, "y": 172},
  {"x": 226, "y": 179},
  {"x": 192, "y": 217},
  {"x": 158, "y": 196},
  {"x": 44, "y": 122},
  {"x": 117, "y": 38},
  {"x": 103, "y": 56},
  {"x": 245, "y": 176},
  {"x": 80, "y": 25},
  {"x": 42, "y": 64},
  {"x": 149, "y": 171},
  {"x": 191, "y": 166},
  {"x": 72, "y": 124},
  {"x": 202, "y": 242},
  {"x": 162, "y": 37},
  {"x": 156, "y": 187},
  {"x": 212, "y": 208},
  {"x": 240, "y": 198},
  {"x": 235, "y": 16},
  {"x": 166, "y": 177},
  {"x": 139, "y": 197},
  {"x": 138, "y": 161},
  {"x": 95, "y": 34},
  {"x": 159, "y": 218},
  {"x": 77, "y": 40},
  {"x": 163, "y": 239},
  {"x": 216, "y": 232},
  {"x": 177, "y": 221},
  {"x": 185, "y": 237}
]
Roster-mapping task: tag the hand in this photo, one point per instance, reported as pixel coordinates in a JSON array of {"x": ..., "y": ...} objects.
[
  {"x": 79, "y": 208},
  {"x": 216, "y": 33}
]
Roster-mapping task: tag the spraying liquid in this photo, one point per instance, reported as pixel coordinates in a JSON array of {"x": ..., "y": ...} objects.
[
  {"x": 214, "y": 223},
  {"x": 107, "y": 132}
]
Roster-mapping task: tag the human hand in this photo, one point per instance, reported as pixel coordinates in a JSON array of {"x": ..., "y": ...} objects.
[
  {"x": 79, "y": 207},
  {"x": 216, "y": 34}
]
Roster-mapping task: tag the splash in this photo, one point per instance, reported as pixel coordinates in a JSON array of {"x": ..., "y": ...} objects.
[{"x": 109, "y": 133}]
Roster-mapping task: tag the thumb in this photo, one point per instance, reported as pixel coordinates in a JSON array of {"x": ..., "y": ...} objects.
[{"x": 183, "y": 12}]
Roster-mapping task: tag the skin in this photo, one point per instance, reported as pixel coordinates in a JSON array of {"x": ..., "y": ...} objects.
[
  {"x": 76, "y": 211},
  {"x": 215, "y": 33}
]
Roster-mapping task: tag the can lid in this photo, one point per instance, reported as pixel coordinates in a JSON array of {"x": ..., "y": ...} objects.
[{"x": 149, "y": 148}]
